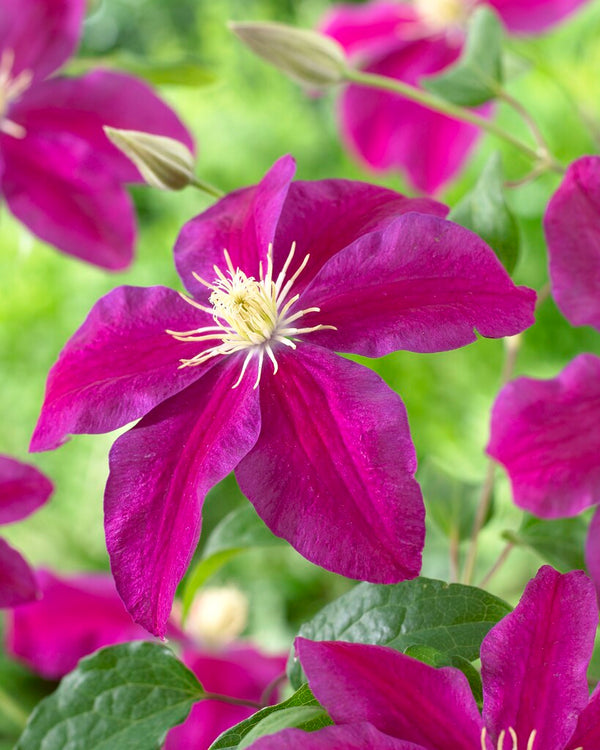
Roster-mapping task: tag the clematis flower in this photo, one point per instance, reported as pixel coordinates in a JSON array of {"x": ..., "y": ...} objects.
[
  {"x": 241, "y": 375},
  {"x": 572, "y": 226},
  {"x": 546, "y": 435},
  {"x": 59, "y": 173},
  {"x": 408, "y": 42},
  {"x": 82, "y": 613},
  {"x": 533, "y": 668},
  {"x": 23, "y": 489}
]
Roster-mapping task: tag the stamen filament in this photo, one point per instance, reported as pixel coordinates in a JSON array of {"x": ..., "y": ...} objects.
[{"x": 249, "y": 315}]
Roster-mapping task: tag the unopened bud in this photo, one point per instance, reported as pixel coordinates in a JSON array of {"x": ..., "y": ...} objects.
[
  {"x": 308, "y": 57},
  {"x": 217, "y": 616},
  {"x": 164, "y": 163}
]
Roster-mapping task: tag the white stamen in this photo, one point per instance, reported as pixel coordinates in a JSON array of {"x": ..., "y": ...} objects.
[
  {"x": 11, "y": 89},
  {"x": 249, "y": 315},
  {"x": 513, "y": 738}
]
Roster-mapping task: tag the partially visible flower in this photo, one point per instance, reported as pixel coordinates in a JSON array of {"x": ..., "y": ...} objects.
[
  {"x": 408, "y": 42},
  {"x": 242, "y": 375},
  {"x": 533, "y": 668},
  {"x": 546, "y": 434},
  {"x": 74, "y": 617},
  {"x": 81, "y": 613},
  {"x": 60, "y": 174},
  {"x": 23, "y": 489},
  {"x": 572, "y": 226}
]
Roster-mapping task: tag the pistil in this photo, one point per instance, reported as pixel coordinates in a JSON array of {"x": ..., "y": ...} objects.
[{"x": 250, "y": 315}]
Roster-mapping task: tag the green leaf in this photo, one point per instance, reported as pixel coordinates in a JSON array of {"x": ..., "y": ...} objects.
[
  {"x": 451, "y": 503},
  {"x": 560, "y": 542},
  {"x": 485, "y": 212},
  {"x": 298, "y": 717},
  {"x": 240, "y": 530},
  {"x": 477, "y": 76},
  {"x": 186, "y": 72},
  {"x": 302, "y": 698},
  {"x": 450, "y": 618},
  {"x": 124, "y": 697},
  {"x": 436, "y": 659}
]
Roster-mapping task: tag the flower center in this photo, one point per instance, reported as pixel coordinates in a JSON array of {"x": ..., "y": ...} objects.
[
  {"x": 250, "y": 315},
  {"x": 443, "y": 14},
  {"x": 11, "y": 88}
]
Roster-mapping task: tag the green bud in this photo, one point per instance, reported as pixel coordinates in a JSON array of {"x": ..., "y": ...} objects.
[
  {"x": 163, "y": 162},
  {"x": 306, "y": 56}
]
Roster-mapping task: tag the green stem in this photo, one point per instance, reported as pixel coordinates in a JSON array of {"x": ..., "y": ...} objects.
[
  {"x": 207, "y": 188},
  {"x": 538, "y": 155},
  {"x": 512, "y": 344},
  {"x": 233, "y": 701},
  {"x": 12, "y": 710},
  {"x": 502, "y": 558}
]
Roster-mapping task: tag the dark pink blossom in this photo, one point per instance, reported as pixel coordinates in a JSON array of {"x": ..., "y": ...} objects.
[
  {"x": 546, "y": 435},
  {"x": 572, "y": 226},
  {"x": 82, "y": 613},
  {"x": 59, "y": 174},
  {"x": 533, "y": 668},
  {"x": 23, "y": 489},
  {"x": 242, "y": 375},
  {"x": 408, "y": 42}
]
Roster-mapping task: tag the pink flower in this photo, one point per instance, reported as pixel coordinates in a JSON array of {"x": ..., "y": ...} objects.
[
  {"x": 409, "y": 42},
  {"x": 572, "y": 226},
  {"x": 546, "y": 434},
  {"x": 82, "y": 613},
  {"x": 23, "y": 489},
  {"x": 533, "y": 668},
  {"x": 59, "y": 174},
  {"x": 242, "y": 375}
]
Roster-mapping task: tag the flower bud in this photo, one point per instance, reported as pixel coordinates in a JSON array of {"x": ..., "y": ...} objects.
[
  {"x": 217, "y": 615},
  {"x": 306, "y": 56},
  {"x": 164, "y": 163}
]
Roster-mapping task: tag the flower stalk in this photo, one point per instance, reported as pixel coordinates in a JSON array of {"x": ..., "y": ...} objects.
[{"x": 539, "y": 155}]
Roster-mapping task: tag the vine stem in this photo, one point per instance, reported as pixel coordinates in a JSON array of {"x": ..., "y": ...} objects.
[
  {"x": 12, "y": 710},
  {"x": 206, "y": 188},
  {"x": 512, "y": 344},
  {"x": 538, "y": 155},
  {"x": 231, "y": 700},
  {"x": 502, "y": 558}
]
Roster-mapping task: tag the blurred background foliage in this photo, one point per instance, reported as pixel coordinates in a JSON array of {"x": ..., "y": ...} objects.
[{"x": 244, "y": 115}]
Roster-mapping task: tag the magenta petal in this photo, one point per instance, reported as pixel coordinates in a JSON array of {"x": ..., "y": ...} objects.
[
  {"x": 534, "y": 661},
  {"x": 17, "y": 581},
  {"x": 41, "y": 34},
  {"x": 23, "y": 489},
  {"x": 369, "y": 27},
  {"x": 587, "y": 732},
  {"x": 60, "y": 189},
  {"x": 349, "y": 737},
  {"x": 592, "y": 550},
  {"x": 241, "y": 672},
  {"x": 73, "y": 618},
  {"x": 531, "y": 16},
  {"x": 545, "y": 433},
  {"x": 81, "y": 107},
  {"x": 400, "y": 696},
  {"x": 423, "y": 284},
  {"x": 243, "y": 223},
  {"x": 389, "y": 131},
  {"x": 334, "y": 460},
  {"x": 324, "y": 216},
  {"x": 119, "y": 365},
  {"x": 572, "y": 226},
  {"x": 160, "y": 472}
]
